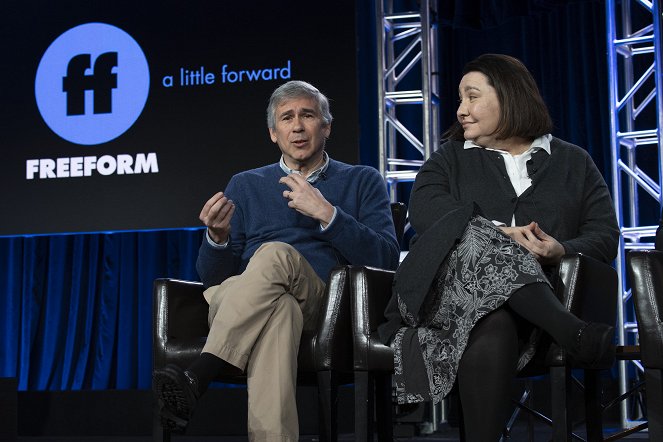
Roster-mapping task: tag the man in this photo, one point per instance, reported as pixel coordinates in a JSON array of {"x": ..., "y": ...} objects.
[{"x": 272, "y": 238}]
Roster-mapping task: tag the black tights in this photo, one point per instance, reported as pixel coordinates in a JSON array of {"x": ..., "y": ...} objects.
[
  {"x": 489, "y": 362},
  {"x": 485, "y": 373},
  {"x": 537, "y": 304}
]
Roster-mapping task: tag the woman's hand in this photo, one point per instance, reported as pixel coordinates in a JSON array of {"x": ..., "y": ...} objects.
[{"x": 544, "y": 247}]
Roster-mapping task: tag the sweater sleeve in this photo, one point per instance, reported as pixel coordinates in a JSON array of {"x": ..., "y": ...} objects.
[
  {"x": 369, "y": 239},
  {"x": 215, "y": 265},
  {"x": 431, "y": 196},
  {"x": 598, "y": 232}
]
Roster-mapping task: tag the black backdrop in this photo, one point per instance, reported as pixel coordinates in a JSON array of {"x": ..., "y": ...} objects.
[
  {"x": 201, "y": 132},
  {"x": 76, "y": 309}
]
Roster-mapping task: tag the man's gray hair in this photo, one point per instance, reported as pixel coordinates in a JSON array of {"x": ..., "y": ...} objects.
[{"x": 297, "y": 89}]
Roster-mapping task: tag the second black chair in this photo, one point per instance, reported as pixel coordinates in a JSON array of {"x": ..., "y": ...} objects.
[{"x": 586, "y": 287}]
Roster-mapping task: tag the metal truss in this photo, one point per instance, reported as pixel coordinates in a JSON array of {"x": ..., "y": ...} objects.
[
  {"x": 408, "y": 105},
  {"x": 407, "y": 78},
  {"x": 635, "y": 58}
]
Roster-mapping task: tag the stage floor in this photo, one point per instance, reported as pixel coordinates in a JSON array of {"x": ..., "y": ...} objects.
[
  {"x": 127, "y": 416},
  {"x": 541, "y": 434}
]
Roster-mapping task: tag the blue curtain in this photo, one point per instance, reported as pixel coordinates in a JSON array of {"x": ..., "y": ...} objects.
[
  {"x": 76, "y": 310},
  {"x": 563, "y": 44}
]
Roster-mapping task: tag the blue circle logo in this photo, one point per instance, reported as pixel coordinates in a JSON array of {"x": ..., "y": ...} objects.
[{"x": 92, "y": 83}]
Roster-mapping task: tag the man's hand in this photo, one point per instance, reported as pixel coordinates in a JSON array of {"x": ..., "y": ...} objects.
[
  {"x": 306, "y": 199},
  {"x": 216, "y": 215},
  {"x": 544, "y": 247}
]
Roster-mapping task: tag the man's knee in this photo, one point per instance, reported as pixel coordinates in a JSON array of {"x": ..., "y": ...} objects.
[
  {"x": 277, "y": 249},
  {"x": 277, "y": 256},
  {"x": 288, "y": 310}
]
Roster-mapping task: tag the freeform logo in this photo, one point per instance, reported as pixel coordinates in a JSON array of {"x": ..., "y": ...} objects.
[
  {"x": 122, "y": 164},
  {"x": 101, "y": 83},
  {"x": 92, "y": 83}
]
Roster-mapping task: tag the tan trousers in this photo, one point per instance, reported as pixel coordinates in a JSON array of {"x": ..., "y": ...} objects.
[{"x": 256, "y": 320}]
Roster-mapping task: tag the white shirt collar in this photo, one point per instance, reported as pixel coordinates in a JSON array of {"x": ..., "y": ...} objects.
[
  {"x": 543, "y": 142},
  {"x": 313, "y": 176}
]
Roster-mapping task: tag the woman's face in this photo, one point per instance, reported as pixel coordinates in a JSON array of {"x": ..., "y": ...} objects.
[{"x": 479, "y": 109}]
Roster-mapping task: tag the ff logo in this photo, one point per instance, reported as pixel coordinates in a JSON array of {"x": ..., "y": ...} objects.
[{"x": 92, "y": 83}]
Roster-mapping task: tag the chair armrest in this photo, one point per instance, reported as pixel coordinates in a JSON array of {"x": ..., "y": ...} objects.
[
  {"x": 370, "y": 292},
  {"x": 399, "y": 215},
  {"x": 645, "y": 270},
  {"x": 333, "y": 330},
  {"x": 588, "y": 288},
  {"x": 179, "y": 319}
]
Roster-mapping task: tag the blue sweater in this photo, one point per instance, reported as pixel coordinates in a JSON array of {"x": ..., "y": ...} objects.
[{"x": 361, "y": 234}]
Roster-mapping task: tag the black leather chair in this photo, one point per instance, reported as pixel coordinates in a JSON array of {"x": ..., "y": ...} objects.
[
  {"x": 373, "y": 361},
  {"x": 585, "y": 286},
  {"x": 645, "y": 270},
  {"x": 589, "y": 289},
  {"x": 180, "y": 329}
]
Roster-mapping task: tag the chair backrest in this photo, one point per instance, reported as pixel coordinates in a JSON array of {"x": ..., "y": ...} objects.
[{"x": 645, "y": 270}]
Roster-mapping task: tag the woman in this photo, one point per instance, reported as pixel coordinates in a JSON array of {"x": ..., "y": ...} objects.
[{"x": 495, "y": 209}]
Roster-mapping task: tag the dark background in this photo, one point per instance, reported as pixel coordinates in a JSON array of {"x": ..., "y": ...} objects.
[
  {"x": 75, "y": 310},
  {"x": 202, "y": 134}
]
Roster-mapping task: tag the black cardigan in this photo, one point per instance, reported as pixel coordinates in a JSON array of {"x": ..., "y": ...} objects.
[{"x": 568, "y": 198}]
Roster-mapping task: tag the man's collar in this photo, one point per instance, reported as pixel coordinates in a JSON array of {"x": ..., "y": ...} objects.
[
  {"x": 313, "y": 176},
  {"x": 543, "y": 142}
]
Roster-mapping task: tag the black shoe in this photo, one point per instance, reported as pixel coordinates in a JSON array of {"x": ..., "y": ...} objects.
[
  {"x": 177, "y": 392},
  {"x": 595, "y": 346}
]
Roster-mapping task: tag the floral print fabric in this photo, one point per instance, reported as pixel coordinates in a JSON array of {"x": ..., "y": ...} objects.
[{"x": 477, "y": 277}]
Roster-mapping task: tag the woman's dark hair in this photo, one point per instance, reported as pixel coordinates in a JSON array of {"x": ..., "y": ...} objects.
[{"x": 523, "y": 111}]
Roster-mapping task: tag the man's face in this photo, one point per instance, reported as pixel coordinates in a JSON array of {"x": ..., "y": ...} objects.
[{"x": 300, "y": 132}]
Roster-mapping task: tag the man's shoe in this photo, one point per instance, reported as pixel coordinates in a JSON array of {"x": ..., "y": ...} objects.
[
  {"x": 595, "y": 345},
  {"x": 177, "y": 392}
]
